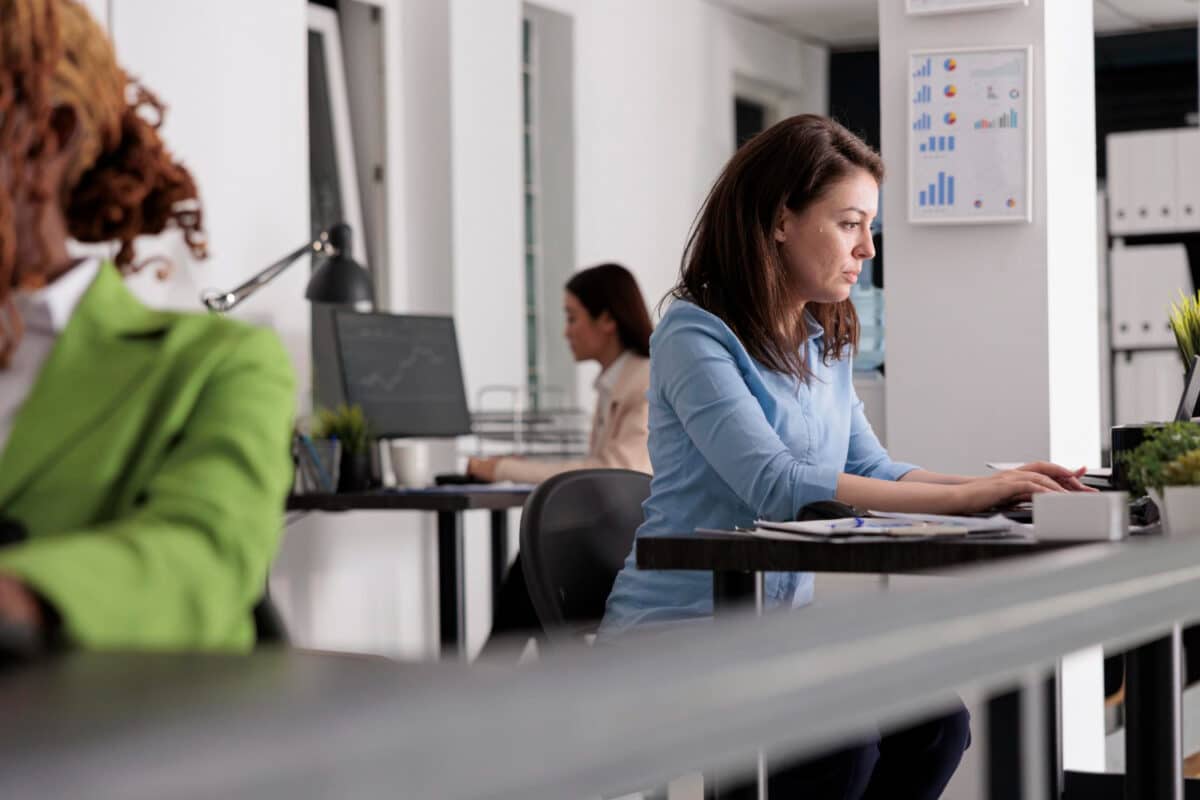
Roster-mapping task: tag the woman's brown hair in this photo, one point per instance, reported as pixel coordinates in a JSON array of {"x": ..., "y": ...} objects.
[
  {"x": 732, "y": 267},
  {"x": 121, "y": 182},
  {"x": 612, "y": 288}
]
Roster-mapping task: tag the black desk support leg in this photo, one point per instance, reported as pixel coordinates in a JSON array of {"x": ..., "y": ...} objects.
[
  {"x": 1008, "y": 748},
  {"x": 499, "y": 554},
  {"x": 451, "y": 584},
  {"x": 733, "y": 590},
  {"x": 1153, "y": 722}
]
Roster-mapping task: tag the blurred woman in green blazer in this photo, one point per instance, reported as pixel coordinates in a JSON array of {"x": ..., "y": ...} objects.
[{"x": 143, "y": 454}]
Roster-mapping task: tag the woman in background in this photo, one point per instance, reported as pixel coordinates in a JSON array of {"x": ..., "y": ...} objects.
[{"x": 607, "y": 322}]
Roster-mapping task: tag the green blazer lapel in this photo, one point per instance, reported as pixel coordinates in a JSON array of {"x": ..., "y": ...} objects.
[{"x": 109, "y": 343}]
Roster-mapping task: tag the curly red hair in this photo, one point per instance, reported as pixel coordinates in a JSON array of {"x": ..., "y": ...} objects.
[{"x": 121, "y": 183}]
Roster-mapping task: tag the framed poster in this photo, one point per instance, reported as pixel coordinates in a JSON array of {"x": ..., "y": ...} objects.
[
  {"x": 970, "y": 156},
  {"x": 951, "y": 6}
]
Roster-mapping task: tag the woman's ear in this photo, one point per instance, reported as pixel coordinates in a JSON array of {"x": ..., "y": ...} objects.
[
  {"x": 607, "y": 323},
  {"x": 781, "y": 226}
]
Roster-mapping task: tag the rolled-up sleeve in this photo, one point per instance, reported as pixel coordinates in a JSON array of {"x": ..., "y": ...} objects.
[
  {"x": 866, "y": 455},
  {"x": 700, "y": 379}
]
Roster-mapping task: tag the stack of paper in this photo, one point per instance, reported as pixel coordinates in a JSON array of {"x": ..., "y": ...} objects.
[{"x": 886, "y": 525}]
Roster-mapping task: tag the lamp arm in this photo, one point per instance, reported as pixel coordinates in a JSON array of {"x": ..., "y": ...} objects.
[{"x": 221, "y": 302}]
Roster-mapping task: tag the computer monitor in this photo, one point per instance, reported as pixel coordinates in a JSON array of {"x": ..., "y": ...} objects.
[
  {"x": 1190, "y": 399},
  {"x": 404, "y": 371}
]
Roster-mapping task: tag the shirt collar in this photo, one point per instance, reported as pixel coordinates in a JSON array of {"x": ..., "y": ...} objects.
[
  {"x": 606, "y": 381},
  {"x": 815, "y": 331},
  {"x": 49, "y": 309}
]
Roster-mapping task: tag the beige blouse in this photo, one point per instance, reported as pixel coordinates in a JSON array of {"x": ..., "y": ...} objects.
[{"x": 620, "y": 427}]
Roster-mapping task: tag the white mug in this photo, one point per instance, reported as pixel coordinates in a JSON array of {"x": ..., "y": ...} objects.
[{"x": 410, "y": 463}]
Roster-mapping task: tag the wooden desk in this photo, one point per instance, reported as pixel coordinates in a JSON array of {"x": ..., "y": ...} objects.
[{"x": 449, "y": 505}]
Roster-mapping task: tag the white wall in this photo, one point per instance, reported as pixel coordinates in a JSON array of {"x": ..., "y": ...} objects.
[
  {"x": 654, "y": 87},
  {"x": 991, "y": 328},
  {"x": 232, "y": 75},
  {"x": 486, "y": 190},
  {"x": 99, "y": 10}
]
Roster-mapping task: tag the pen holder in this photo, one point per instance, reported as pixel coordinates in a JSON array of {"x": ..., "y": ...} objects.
[{"x": 318, "y": 464}]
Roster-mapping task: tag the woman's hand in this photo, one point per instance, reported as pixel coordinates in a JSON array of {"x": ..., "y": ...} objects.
[
  {"x": 1002, "y": 488},
  {"x": 18, "y": 604},
  {"x": 482, "y": 468},
  {"x": 1066, "y": 478}
]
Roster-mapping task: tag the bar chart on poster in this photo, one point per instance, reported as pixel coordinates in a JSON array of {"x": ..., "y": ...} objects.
[{"x": 969, "y": 145}]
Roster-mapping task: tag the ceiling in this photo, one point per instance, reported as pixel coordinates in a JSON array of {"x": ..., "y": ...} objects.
[{"x": 844, "y": 23}]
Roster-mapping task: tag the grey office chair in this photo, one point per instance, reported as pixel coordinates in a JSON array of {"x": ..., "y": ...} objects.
[{"x": 576, "y": 530}]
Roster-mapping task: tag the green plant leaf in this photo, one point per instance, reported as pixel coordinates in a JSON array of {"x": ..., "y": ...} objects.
[
  {"x": 1167, "y": 457},
  {"x": 347, "y": 424}
]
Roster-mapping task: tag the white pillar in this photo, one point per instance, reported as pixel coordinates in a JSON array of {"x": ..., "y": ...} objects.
[{"x": 991, "y": 329}]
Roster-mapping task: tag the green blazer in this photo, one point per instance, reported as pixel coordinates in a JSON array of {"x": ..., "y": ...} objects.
[{"x": 149, "y": 465}]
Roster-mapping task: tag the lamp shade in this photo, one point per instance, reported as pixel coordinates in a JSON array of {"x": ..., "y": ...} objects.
[{"x": 341, "y": 280}]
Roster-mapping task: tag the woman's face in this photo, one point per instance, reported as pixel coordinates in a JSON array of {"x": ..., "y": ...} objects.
[
  {"x": 824, "y": 246},
  {"x": 587, "y": 336}
]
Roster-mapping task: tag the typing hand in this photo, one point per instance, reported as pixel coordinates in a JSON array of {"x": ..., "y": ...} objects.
[
  {"x": 1068, "y": 479},
  {"x": 482, "y": 468},
  {"x": 1002, "y": 488}
]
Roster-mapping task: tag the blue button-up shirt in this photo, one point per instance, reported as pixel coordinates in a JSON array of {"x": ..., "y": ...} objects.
[{"x": 732, "y": 442}]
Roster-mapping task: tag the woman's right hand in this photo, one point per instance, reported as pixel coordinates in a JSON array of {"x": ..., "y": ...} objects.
[{"x": 1002, "y": 488}]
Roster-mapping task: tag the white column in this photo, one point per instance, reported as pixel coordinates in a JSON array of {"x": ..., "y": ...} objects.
[{"x": 991, "y": 329}]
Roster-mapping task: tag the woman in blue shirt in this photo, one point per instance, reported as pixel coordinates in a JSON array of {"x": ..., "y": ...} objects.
[{"x": 753, "y": 412}]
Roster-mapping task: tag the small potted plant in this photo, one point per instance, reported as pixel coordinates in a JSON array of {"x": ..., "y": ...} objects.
[
  {"x": 1167, "y": 464},
  {"x": 1185, "y": 323},
  {"x": 349, "y": 426}
]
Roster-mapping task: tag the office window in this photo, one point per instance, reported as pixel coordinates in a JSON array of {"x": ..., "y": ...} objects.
[{"x": 333, "y": 179}]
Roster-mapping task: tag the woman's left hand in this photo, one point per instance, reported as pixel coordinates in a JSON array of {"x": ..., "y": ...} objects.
[{"x": 1068, "y": 479}]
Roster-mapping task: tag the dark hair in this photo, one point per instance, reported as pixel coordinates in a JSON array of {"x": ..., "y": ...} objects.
[
  {"x": 612, "y": 288},
  {"x": 731, "y": 266}
]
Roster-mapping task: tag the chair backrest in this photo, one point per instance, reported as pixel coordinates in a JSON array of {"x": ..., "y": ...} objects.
[
  {"x": 576, "y": 530},
  {"x": 269, "y": 629}
]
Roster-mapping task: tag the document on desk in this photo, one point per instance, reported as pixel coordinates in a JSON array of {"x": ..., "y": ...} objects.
[{"x": 885, "y": 525}]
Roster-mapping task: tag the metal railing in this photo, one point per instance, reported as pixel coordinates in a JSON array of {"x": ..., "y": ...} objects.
[{"x": 609, "y": 719}]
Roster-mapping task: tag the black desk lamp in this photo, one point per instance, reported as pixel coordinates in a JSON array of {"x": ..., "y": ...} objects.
[{"x": 340, "y": 280}]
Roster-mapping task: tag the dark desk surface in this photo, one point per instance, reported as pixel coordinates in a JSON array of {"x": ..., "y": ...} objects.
[
  {"x": 737, "y": 552},
  {"x": 439, "y": 500}
]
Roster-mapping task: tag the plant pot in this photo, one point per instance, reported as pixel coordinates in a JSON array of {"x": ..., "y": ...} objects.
[
  {"x": 355, "y": 474},
  {"x": 1179, "y": 508}
]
